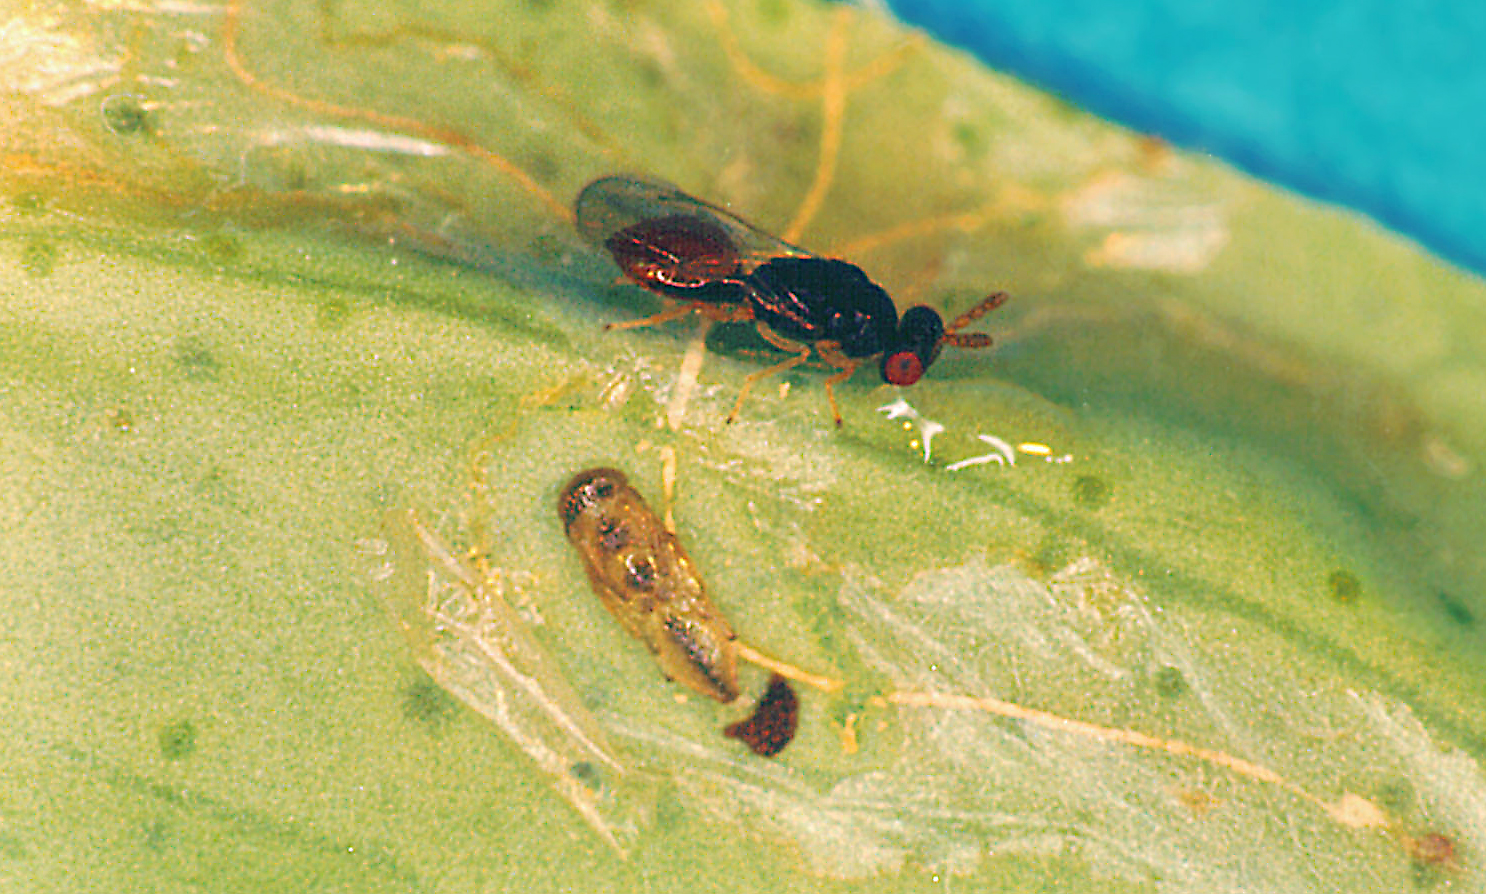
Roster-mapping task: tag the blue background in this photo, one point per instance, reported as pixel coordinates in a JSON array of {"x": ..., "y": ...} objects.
[{"x": 1379, "y": 105}]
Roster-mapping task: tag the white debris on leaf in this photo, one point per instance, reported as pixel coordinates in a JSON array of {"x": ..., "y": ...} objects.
[
  {"x": 927, "y": 428},
  {"x": 1004, "y": 455}
]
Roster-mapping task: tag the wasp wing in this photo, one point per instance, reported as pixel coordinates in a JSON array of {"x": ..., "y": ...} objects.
[{"x": 624, "y": 203}]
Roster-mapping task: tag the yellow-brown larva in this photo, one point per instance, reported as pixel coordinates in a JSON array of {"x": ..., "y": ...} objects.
[{"x": 648, "y": 583}]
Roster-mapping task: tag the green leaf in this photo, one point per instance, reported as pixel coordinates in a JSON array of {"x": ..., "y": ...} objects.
[{"x": 1176, "y": 588}]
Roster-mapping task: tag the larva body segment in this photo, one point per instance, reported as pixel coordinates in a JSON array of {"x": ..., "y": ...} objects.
[{"x": 646, "y": 580}]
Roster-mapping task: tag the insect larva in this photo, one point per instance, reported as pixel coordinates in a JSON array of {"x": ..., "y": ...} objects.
[{"x": 646, "y": 580}]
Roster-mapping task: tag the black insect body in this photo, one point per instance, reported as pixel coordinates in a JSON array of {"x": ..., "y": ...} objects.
[
  {"x": 682, "y": 248},
  {"x": 820, "y": 299}
]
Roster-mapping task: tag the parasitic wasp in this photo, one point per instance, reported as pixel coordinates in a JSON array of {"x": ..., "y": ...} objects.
[{"x": 720, "y": 267}]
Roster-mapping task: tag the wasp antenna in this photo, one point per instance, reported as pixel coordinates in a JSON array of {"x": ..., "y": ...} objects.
[
  {"x": 970, "y": 316},
  {"x": 967, "y": 340}
]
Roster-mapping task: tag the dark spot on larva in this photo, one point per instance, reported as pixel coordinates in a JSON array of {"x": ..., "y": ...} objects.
[
  {"x": 424, "y": 701},
  {"x": 1169, "y": 681},
  {"x": 688, "y": 643},
  {"x": 568, "y": 509},
  {"x": 1457, "y": 611},
  {"x": 700, "y": 657},
  {"x": 1090, "y": 491},
  {"x": 639, "y": 573},
  {"x": 613, "y": 535},
  {"x": 1344, "y": 586},
  {"x": 177, "y": 740},
  {"x": 585, "y": 490},
  {"x": 125, "y": 114},
  {"x": 772, "y": 724}
]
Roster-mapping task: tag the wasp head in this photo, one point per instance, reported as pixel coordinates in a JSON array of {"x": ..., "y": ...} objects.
[{"x": 920, "y": 335}]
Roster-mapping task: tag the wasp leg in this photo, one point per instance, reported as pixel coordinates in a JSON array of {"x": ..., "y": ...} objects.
[
  {"x": 717, "y": 312},
  {"x": 665, "y": 316},
  {"x": 802, "y": 353},
  {"x": 726, "y": 313},
  {"x": 830, "y": 352}
]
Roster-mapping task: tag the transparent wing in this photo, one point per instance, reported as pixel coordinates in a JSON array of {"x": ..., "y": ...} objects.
[{"x": 610, "y": 205}]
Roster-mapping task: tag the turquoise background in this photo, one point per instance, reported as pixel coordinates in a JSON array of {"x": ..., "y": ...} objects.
[{"x": 1373, "y": 104}]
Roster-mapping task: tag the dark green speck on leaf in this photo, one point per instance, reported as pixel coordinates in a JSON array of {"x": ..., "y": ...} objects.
[
  {"x": 124, "y": 114},
  {"x": 1090, "y": 491},
  {"x": 332, "y": 313},
  {"x": 1170, "y": 682},
  {"x": 1457, "y": 611},
  {"x": 546, "y": 249},
  {"x": 1344, "y": 586},
  {"x": 969, "y": 139},
  {"x": 38, "y": 259},
  {"x": 588, "y": 774},
  {"x": 220, "y": 247},
  {"x": 177, "y": 740},
  {"x": 196, "y": 360},
  {"x": 774, "y": 13},
  {"x": 1051, "y": 554},
  {"x": 425, "y": 702},
  {"x": 1397, "y": 796}
]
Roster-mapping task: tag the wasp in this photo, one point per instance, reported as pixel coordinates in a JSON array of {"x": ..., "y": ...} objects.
[{"x": 717, "y": 265}]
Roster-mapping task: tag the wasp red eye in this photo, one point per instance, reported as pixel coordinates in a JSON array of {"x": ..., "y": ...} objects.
[{"x": 902, "y": 368}]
